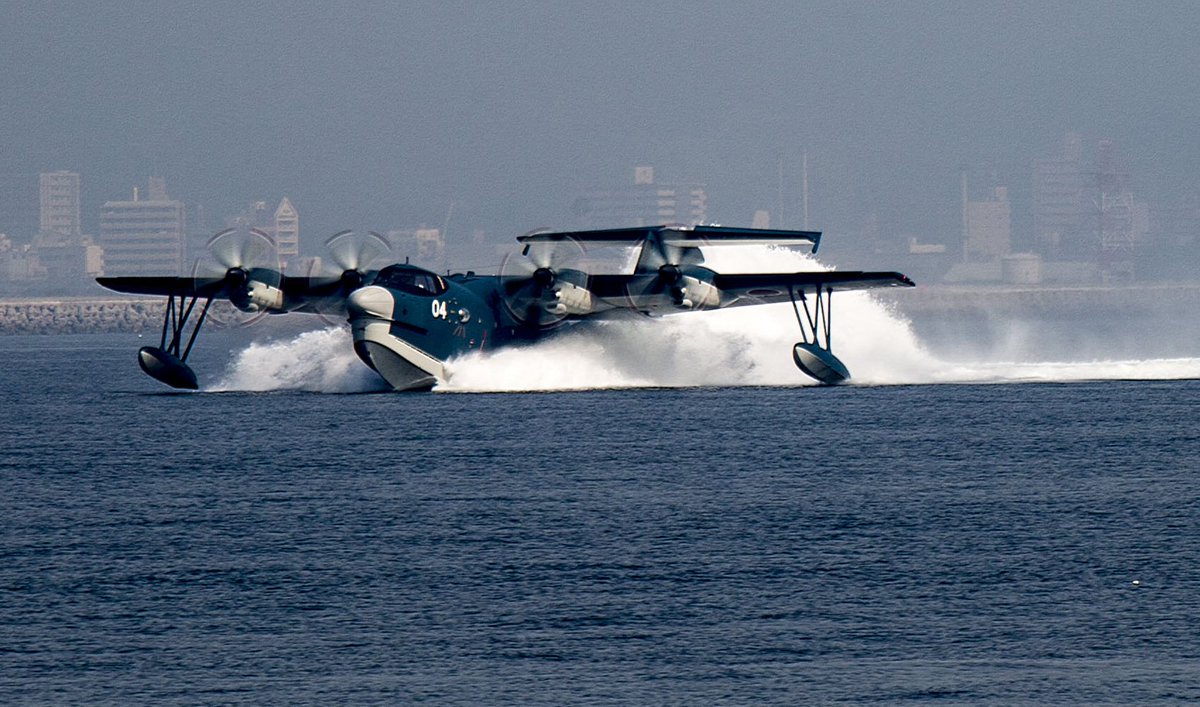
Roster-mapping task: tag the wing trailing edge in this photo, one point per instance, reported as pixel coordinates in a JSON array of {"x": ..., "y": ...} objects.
[{"x": 832, "y": 280}]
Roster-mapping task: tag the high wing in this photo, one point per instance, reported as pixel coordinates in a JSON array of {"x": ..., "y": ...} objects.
[
  {"x": 754, "y": 288},
  {"x": 203, "y": 287}
]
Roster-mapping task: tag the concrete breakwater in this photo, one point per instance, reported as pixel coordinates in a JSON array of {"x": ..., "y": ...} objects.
[{"x": 80, "y": 315}]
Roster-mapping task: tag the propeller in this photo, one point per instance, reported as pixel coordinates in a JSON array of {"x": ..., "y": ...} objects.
[
  {"x": 661, "y": 268},
  {"x": 237, "y": 249},
  {"x": 531, "y": 284},
  {"x": 356, "y": 256},
  {"x": 247, "y": 262}
]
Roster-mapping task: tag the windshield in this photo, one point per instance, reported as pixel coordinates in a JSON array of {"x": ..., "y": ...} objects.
[{"x": 414, "y": 282}]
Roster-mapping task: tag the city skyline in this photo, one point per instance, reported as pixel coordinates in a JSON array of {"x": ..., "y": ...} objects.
[
  {"x": 566, "y": 214},
  {"x": 1085, "y": 153},
  {"x": 379, "y": 114},
  {"x": 1081, "y": 211}
]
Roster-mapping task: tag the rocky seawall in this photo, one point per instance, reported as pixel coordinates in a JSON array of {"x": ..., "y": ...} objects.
[
  {"x": 132, "y": 315},
  {"x": 80, "y": 315}
]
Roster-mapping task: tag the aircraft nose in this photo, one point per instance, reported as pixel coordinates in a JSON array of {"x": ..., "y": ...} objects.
[{"x": 370, "y": 301}]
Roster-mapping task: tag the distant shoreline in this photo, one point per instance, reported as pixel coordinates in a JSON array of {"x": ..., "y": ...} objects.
[{"x": 1014, "y": 300}]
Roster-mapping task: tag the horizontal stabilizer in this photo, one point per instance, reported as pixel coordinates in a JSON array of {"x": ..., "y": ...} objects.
[{"x": 684, "y": 236}]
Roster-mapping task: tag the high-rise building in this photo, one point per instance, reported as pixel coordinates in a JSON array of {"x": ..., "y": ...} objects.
[
  {"x": 1088, "y": 215},
  {"x": 143, "y": 236},
  {"x": 988, "y": 228},
  {"x": 1064, "y": 217},
  {"x": 67, "y": 258},
  {"x": 59, "y": 199},
  {"x": 287, "y": 230},
  {"x": 644, "y": 203},
  {"x": 1122, "y": 221}
]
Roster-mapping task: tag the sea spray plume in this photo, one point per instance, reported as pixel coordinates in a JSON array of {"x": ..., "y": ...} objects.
[
  {"x": 737, "y": 346},
  {"x": 876, "y": 343},
  {"x": 740, "y": 346},
  {"x": 317, "y": 361},
  {"x": 751, "y": 346},
  {"x": 880, "y": 347}
]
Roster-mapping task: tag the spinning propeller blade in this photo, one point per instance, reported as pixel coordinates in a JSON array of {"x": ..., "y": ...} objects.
[
  {"x": 355, "y": 258},
  {"x": 356, "y": 255},
  {"x": 529, "y": 283},
  {"x": 240, "y": 257},
  {"x": 235, "y": 249},
  {"x": 660, "y": 269}
]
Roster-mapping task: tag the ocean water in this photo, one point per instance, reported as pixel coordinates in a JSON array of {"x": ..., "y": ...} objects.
[
  {"x": 661, "y": 512},
  {"x": 973, "y": 541}
]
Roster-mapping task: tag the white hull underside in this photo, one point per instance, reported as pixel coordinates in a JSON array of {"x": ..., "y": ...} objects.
[{"x": 402, "y": 365}]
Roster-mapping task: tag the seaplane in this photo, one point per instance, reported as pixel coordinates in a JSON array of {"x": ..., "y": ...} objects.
[{"x": 407, "y": 322}]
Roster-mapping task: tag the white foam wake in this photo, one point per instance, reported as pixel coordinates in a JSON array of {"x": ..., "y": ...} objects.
[
  {"x": 733, "y": 347},
  {"x": 318, "y": 361},
  {"x": 1066, "y": 371}
]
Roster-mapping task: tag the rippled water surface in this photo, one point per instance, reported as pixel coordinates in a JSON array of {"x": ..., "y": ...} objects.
[{"x": 1004, "y": 543}]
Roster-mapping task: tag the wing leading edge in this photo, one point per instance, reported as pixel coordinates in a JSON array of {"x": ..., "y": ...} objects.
[{"x": 763, "y": 288}]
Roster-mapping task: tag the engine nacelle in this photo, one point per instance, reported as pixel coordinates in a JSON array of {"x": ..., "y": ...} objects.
[
  {"x": 571, "y": 299},
  {"x": 694, "y": 293},
  {"x": 259, "y": 296}
]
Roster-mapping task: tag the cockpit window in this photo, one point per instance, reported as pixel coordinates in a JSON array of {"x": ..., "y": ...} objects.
[{"x": 414, "y": 282}]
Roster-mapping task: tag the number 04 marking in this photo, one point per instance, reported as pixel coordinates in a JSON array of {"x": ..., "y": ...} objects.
[{"x": 439, "y": 309}]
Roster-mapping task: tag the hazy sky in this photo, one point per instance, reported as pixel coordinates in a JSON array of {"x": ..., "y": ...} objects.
[{"x": 380, "y": 114}]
